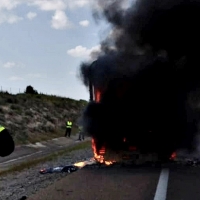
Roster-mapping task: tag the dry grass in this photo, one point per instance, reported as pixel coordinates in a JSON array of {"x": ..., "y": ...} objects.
[{"x": 34, "y": 118}]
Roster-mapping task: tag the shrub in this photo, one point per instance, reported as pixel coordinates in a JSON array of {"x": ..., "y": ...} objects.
[
  {"x": 15, "y": 107},
  {"x": 30, "y": 90}
]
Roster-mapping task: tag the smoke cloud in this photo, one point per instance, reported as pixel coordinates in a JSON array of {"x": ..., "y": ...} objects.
[{"x": 148, "y": 75}]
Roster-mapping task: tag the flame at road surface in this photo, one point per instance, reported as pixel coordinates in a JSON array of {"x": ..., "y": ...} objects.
[
  {"x": 97, "y": 157},
  {"x": 80, "y": 164},
  {"x": 84, "y": 163},
  {"x": 90, "y": 162},
  {"x": 100, "y": 157}
]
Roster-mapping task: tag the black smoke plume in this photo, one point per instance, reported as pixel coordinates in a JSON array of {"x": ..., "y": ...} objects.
[{"x": 148, "y": 75}]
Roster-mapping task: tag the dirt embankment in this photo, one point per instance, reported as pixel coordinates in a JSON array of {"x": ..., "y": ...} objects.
[{"x": 36, "y": 117}]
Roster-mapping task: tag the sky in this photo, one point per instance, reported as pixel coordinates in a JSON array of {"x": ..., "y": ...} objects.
[{"x": 43, "y": 42}]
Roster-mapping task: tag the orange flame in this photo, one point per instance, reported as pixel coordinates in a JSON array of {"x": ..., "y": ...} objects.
[
  {"x": 173, "y": 156},
  {"x": 99, "y": 156},
  {"x": 79, "y": 164},
  {"x": 97, "y": 96}
]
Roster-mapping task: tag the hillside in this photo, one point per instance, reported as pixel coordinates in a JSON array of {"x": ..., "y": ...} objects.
[{"x": 36, "y": 117}]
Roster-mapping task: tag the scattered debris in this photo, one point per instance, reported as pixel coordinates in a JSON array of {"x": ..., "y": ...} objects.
[
  {"x": 67, "y": 168},
  {"x": 23, "y": 198},
  {"x": 36, "y": 145},
  {"x": 188, "y": 161},
  {"x": 192, "y": 162}
]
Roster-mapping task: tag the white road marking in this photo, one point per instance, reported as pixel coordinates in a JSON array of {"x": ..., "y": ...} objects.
[
  {"x": 161, "y": 190},
  {"x": 20, "y": 158}
]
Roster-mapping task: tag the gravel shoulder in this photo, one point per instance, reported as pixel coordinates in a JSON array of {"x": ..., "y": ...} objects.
[
  {"x": 30, "y": 181},
  {"x": 31, "y": 152}
]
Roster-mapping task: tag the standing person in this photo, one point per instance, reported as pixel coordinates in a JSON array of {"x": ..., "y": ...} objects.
[
  {"x": 81, "y": 133},
  {"x": 7, "y": 144},
  {"x": 68, "y": 128}
]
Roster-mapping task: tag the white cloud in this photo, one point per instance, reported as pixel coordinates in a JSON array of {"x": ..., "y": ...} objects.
[
  {"x": 31, "y": 15},
  {"x": 60, "y": 20},
  {"x": 72, "y": 73},
  {"x": 52, "y": 5},
  {"x": 9, "y": 18},
  {"x": 48, "y": 5},
  {"x": 84, "y": 23},
  {"x": 35, "y": 75},
  {"x": 15, "y": 78},
  {"x": 80, "y": 51},
  {"x": 9, "y": 4},
  {"x": 77, "y": 3},
  {"x": 6, "y": 14},
  {"x": 9, "y": 64}
]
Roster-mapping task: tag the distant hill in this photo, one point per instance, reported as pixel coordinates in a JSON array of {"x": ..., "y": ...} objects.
[{"x": 36, "y": 117}]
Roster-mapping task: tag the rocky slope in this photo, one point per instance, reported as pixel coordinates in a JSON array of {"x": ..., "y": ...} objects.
[{"x": 36, "y": 117}]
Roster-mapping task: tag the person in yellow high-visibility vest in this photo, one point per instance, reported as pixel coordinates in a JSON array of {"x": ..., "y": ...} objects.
[
  {"x": 7, "y": 144},
  {"x": 68, "y": 128}
]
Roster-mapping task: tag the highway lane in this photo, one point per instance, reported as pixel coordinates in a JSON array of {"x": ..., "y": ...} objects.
[
  {"x": 184, "y": 183},
  {"x": 111, "y": 183}
]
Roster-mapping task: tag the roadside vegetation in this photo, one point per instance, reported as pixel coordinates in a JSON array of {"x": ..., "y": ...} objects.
[{"x": 32, "y": 117}]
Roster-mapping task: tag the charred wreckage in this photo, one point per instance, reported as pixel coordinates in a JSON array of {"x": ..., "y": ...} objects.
[{"x": 144, "y": 82}]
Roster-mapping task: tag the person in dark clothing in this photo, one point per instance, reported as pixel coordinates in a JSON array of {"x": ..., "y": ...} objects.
[
  {"x": 7, "y": 144},
  {"x": 81, "y": 133},
  {"x": 68, "y": 128}
]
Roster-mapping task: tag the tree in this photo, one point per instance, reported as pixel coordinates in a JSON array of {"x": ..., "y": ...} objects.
[{"x": 30, "y": 90}]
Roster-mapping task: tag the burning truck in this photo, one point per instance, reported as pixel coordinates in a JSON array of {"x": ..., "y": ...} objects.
[
  {"x": 144, "y": 83},
  {"x": 123, "y": 146}
]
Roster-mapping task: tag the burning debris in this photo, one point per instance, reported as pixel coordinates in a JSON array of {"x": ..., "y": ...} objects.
[
  {"x": 145, "y": 80},
  {"x": 68, "y": 168}
]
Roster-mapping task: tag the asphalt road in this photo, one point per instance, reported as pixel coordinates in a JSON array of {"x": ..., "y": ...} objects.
[
  {"x": 170, "y": 182},
  {"x": 184, "y": 183}
]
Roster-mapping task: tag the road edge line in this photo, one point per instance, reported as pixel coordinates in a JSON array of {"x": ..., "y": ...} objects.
[{"x": 161, "y": 190}]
